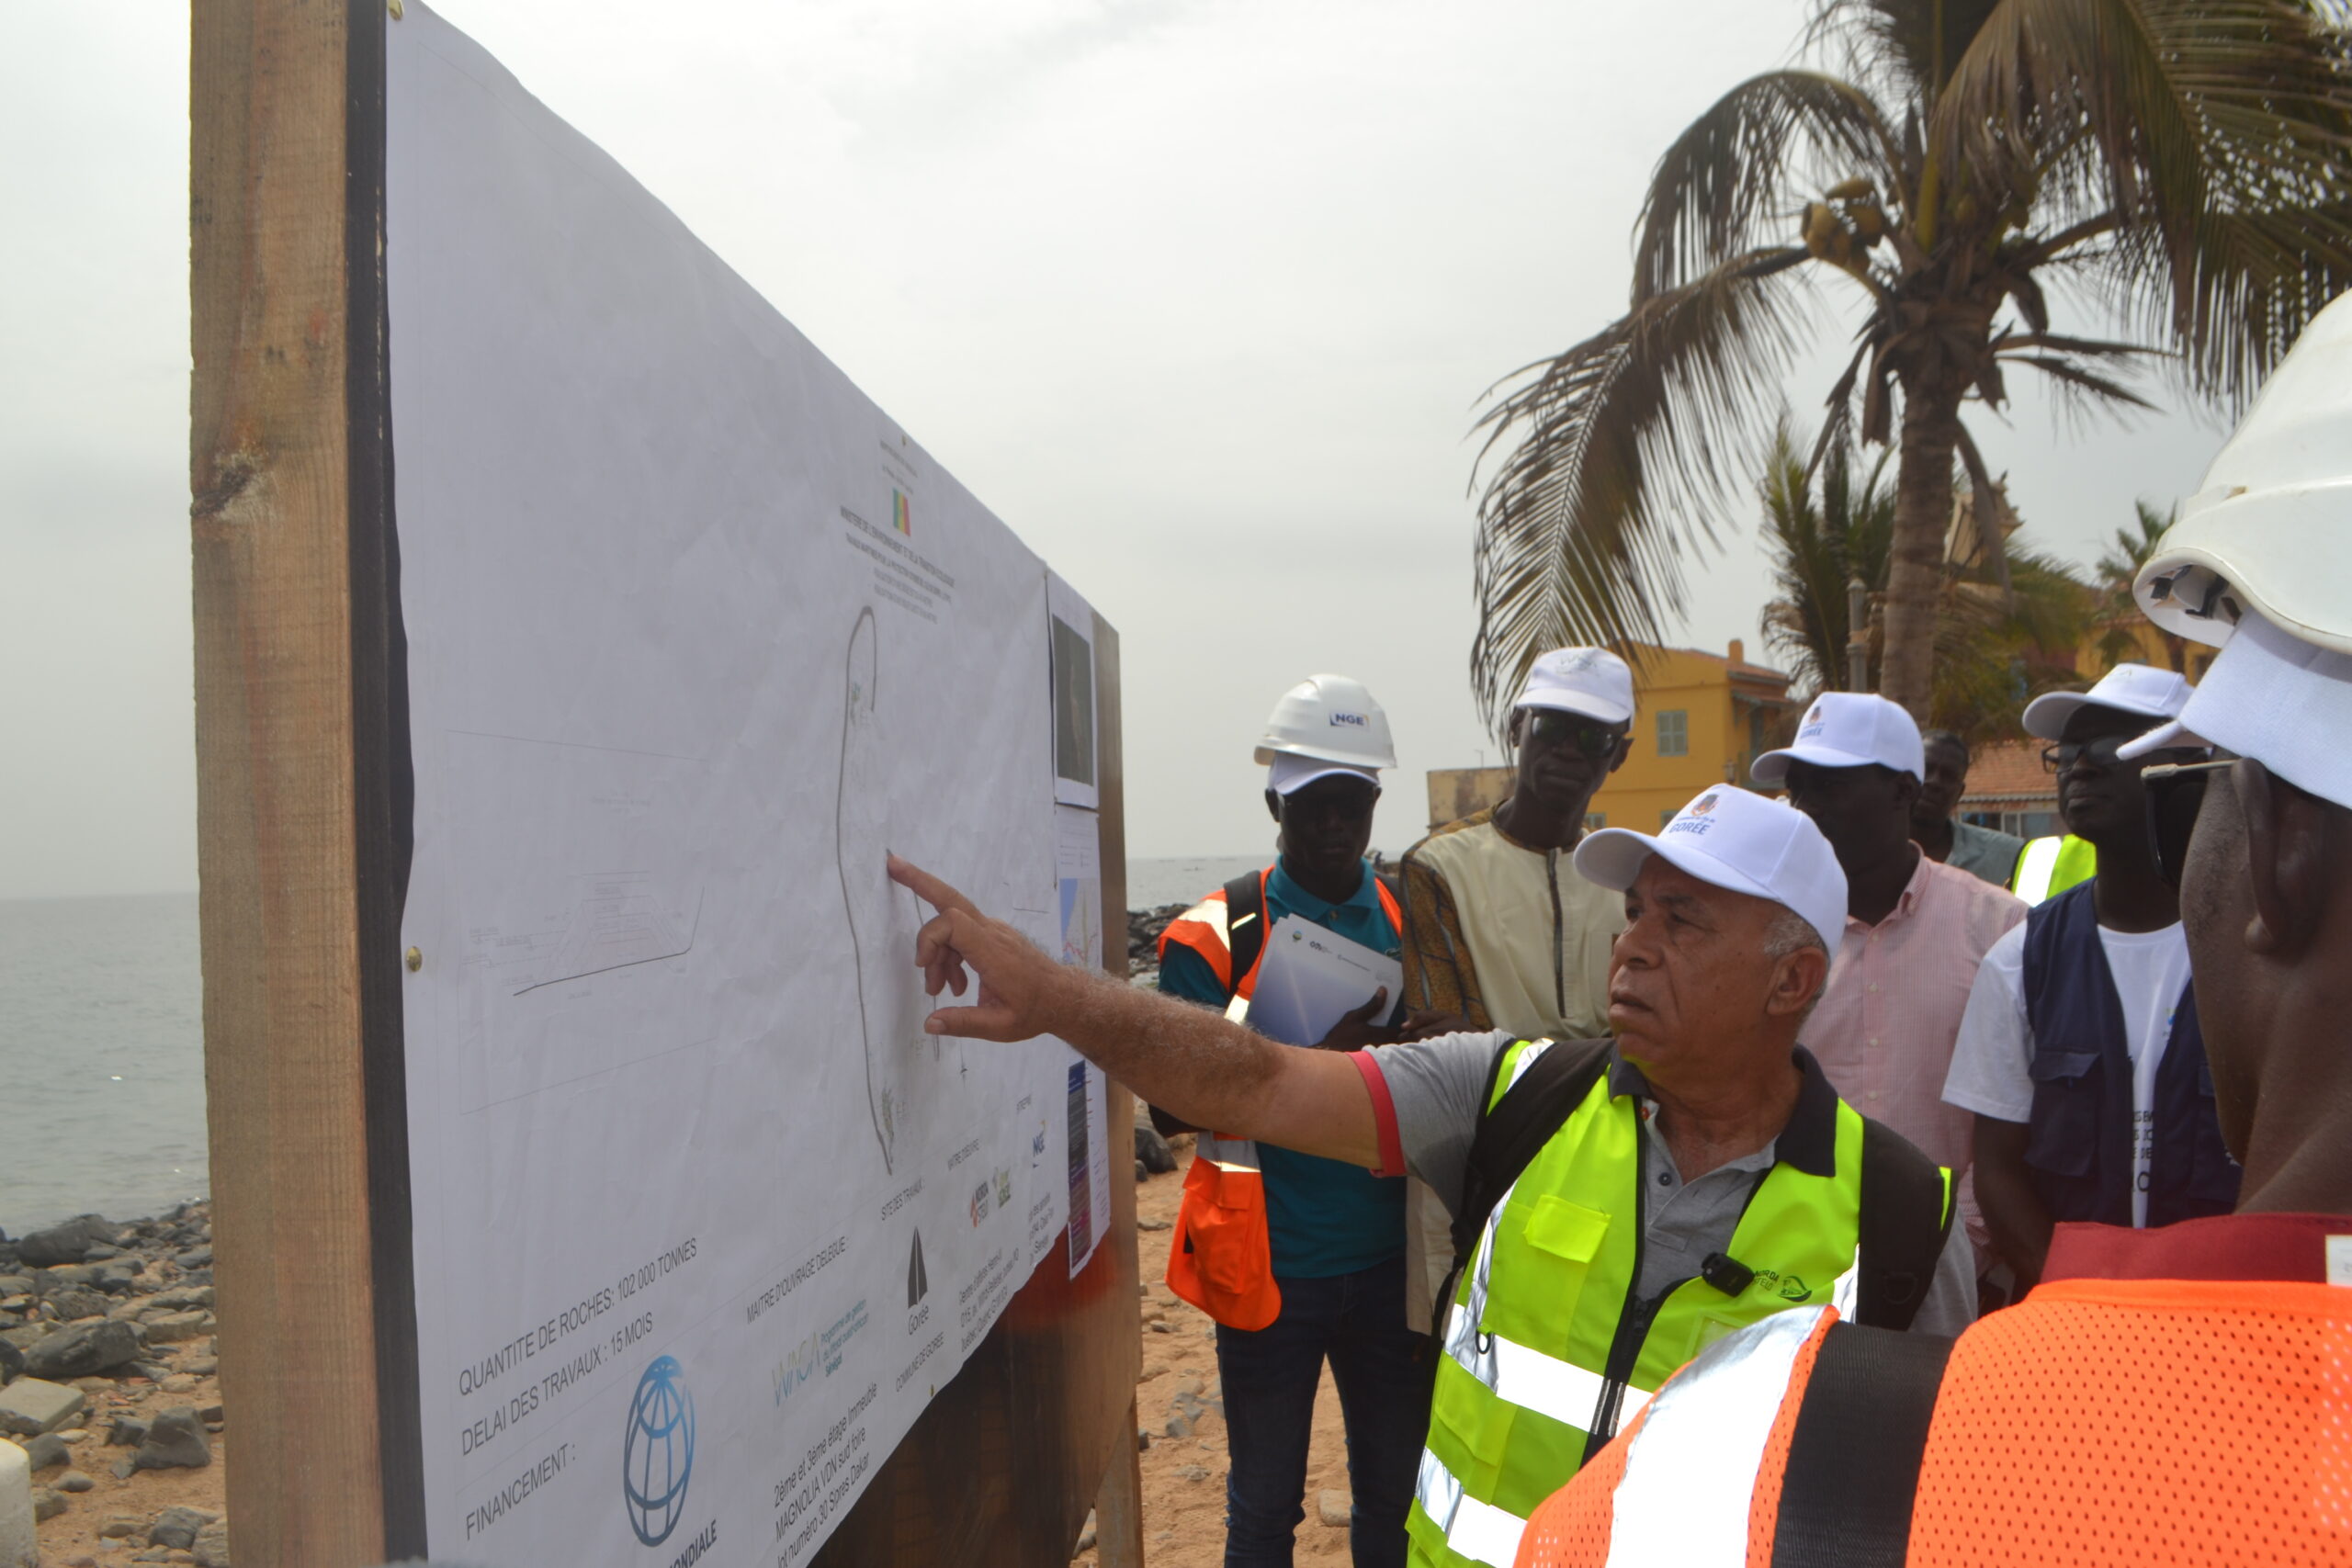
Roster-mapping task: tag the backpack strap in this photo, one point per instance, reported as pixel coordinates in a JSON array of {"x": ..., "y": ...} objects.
[
  {"x": 1854, "y": 1457},
  {"x": 1245, "y": 923},
  {"x": 1905, "y": 1220},
  {"x": 1513, "y": 1129},
  {"x": 1245, "y": 938}
]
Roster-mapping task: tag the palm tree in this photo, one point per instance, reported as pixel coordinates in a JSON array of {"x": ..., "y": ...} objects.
[
  {"x": 2184, "y": 165},
  {"x": 2127, "y": 629},
  {"x": 1816, "y": 547},
  {"x": 2009, "y": 619}
]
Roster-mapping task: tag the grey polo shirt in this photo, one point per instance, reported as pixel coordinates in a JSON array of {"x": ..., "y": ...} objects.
[{"x": 1436, "y": 1087}]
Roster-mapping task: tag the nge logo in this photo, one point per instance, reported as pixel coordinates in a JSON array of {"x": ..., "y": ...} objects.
[
  {"x": 658, "y": 1458},
  {"x": 1352, "y": 721}
]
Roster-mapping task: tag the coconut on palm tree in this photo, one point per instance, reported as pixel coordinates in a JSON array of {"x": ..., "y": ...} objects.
[{"x": 2185, "y": 167}]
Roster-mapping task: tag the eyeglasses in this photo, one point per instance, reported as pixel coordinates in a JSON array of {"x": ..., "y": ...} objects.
[
  {"x": 1550, "y": 726},
  {"x": 2175, "y": 793},
  {"x": 2100, "y": 753}
]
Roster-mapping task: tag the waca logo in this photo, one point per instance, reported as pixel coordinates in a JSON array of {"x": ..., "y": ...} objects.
[{"x": 658, "y": 1458}]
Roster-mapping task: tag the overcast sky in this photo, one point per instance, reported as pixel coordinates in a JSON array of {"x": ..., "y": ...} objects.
[{"x": 1198, "y": 297}]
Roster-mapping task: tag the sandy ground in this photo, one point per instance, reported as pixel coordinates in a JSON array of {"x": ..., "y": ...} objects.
[
  {"x": 1184, "y": 1478},
  {"x": 74, "y": 1534}
]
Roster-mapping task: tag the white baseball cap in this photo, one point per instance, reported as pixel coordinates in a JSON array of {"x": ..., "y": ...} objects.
[
  {"x": 2129, "y": 688},
  {"x": 1849, "y": 730},
  {"x": 1287, "y": 774},
  {"x": 1736, "y": 838},
  {"x": 2272, "y": 697},
  {"x": 1588, "y": 681}
]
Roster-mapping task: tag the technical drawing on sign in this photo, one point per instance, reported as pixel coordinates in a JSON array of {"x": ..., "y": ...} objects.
[
  {"x": 883, "y": 917},
  {"x": 618, "y": 920}
]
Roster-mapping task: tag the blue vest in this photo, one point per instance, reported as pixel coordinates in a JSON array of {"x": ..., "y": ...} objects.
[{"x": 2078, "y": 1142}]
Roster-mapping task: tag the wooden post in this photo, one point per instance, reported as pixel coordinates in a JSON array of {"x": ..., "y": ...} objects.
[
  {"x": 286, "y": 511},
  {"x": 1118, "y": 1507}
]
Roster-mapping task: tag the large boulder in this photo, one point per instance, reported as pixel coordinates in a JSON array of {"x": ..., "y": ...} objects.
[
  {"x": 84, "y": 1351},
  {"x": 32, "y": 1405},
  {"x": 175, "y": 1440},
  {"x": 177, "y": 1528},
  {"x": 68, "y": 1243}
]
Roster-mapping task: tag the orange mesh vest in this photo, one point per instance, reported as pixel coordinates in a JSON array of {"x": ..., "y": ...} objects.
[
  {"x": 1220, "y": 1256},
  {"x": 2101, "y": 1424}
]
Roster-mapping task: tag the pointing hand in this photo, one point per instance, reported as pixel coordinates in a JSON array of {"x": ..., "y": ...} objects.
[{"x": 1019, "y": 987}]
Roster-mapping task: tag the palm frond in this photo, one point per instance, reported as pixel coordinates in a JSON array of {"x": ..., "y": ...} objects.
[
  {"x": 1608, "y": 459},
  {"x": 1728, "y": 178},
  {"x": 1913, "y": 44},
  {"x": 2212, "y": 139}
]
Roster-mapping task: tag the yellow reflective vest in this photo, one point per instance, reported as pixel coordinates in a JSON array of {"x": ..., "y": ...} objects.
[
  {"x": 1546, "y": 1349},
  {"x": 2050, "y": 866}
]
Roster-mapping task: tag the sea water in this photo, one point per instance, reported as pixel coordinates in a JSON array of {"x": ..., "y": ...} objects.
[
  {"x": 101, "y": 1058},
  {"x": 102, "y": 1045}
]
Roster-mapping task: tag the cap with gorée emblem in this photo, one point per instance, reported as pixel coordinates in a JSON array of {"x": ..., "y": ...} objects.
[{"x": 1734, "y": 838}]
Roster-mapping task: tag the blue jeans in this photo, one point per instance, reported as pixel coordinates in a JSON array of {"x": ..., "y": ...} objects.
[{"x": 1268, "y": 1378}]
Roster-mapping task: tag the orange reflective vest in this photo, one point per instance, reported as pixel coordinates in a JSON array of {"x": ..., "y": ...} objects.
[
  {"x": 2101, "y": 1423},
  {"x": 1220, "y": 1256}
]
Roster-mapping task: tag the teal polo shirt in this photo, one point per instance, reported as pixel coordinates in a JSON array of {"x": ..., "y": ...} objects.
[{"x": 1324, "y": 1216}]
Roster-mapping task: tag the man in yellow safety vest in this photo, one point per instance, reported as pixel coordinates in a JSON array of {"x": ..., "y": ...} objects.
[{"x": 1620, "y": 1202}]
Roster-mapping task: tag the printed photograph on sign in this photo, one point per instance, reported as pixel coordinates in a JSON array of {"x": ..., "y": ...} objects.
[{"x": 1071, "y": 641}]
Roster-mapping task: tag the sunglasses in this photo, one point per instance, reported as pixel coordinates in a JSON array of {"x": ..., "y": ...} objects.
[
  {"x": 1549, "y": 726},
  {"x": 2175, "y": 793},
  {"x": 2100, "y": 753}
]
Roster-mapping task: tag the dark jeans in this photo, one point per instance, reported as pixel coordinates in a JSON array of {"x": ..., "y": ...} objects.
[{"x": 1269, "y": 1377}]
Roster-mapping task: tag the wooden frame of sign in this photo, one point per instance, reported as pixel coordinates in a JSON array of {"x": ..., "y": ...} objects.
[{"x": 303, "y": 808}]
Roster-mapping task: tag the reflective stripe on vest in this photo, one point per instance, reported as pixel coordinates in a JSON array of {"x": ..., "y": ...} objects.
[
  {"x": 2051, "y": 866},
  {"x": 1711, "y": 1426},
  {"x": 1528, "y": 1340},
  {"x": 1204, "y": 930}
]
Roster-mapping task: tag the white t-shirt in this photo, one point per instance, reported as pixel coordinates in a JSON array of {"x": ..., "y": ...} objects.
[{"x": 1990, "y": 1062}]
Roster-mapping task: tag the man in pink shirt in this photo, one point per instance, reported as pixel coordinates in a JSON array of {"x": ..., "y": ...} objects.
[{"x": 1916, "y": 930}]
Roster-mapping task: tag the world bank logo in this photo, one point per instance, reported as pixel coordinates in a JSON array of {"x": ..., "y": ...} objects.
[{"x": 659, "y": 1456}]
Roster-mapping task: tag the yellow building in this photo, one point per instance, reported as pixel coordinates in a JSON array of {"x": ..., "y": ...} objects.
[{"x": 1699, "y": 720}]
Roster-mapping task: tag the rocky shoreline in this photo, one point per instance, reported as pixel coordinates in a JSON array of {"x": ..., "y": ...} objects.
[{"x": 108, "y": 1382}]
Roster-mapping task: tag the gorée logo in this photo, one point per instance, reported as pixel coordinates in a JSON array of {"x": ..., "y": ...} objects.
[{"x": 658, "y": 1458}]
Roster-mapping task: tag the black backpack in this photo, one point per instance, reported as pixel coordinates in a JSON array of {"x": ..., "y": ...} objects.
[{"x": 1903, "y": 1191}]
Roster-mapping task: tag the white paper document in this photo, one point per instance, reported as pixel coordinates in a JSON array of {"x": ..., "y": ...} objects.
[
  {"x": 697, "y": 636},
  {"x": 1310, "y": 976}
]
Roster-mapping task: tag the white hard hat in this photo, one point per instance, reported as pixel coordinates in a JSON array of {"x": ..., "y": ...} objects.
[
  {"x": 2270, "y": 530},
  {"x": 1332, "y": 718}
]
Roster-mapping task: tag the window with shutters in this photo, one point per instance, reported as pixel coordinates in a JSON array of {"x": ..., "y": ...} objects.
[{"x": 1674, "y": 733}]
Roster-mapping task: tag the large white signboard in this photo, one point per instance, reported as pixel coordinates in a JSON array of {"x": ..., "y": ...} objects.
[{"x": 696, "y": 636}]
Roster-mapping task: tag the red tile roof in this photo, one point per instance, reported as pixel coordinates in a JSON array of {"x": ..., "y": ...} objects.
[{"x": 2010, "y": 771}]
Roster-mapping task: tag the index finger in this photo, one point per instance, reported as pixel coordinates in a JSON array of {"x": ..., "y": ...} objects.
[{"x": 928, "y": 888}]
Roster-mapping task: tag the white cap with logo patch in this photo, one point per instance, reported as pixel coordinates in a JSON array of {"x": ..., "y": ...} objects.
[
  {"x": 1732, "y": 839},
  {"x": 1849, "y": 730},
  {"x": 2142, "y": 689},
  {"x": 1588, "y": 681}
]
